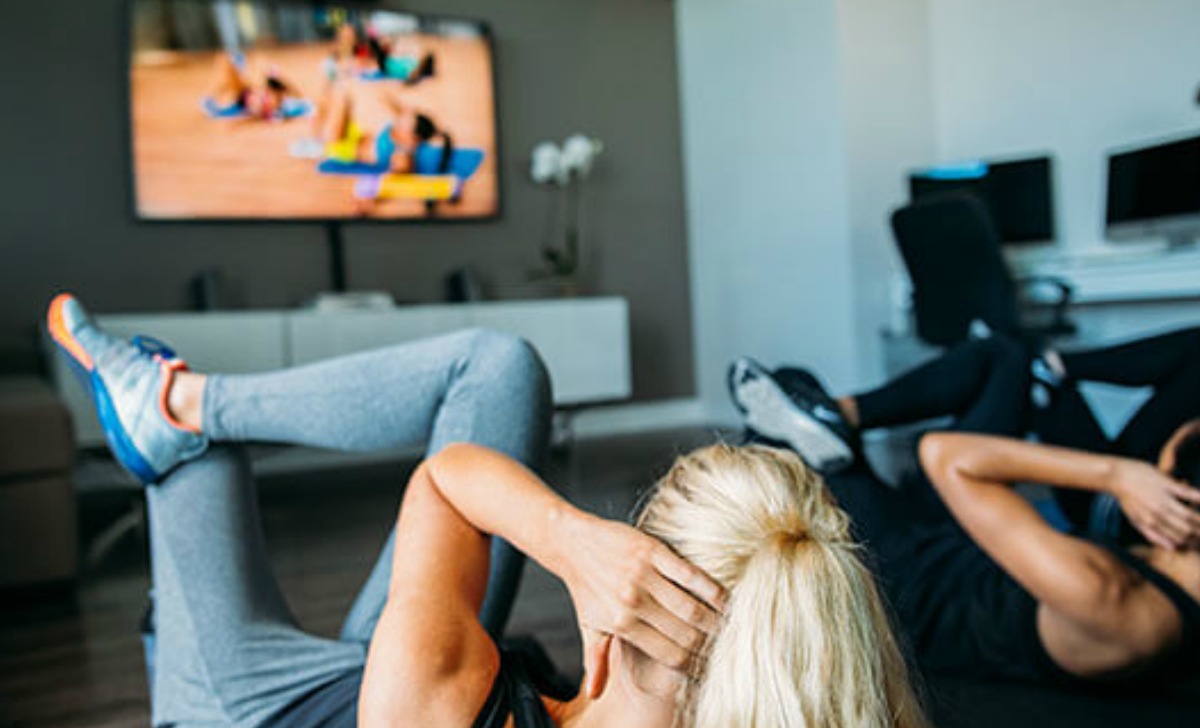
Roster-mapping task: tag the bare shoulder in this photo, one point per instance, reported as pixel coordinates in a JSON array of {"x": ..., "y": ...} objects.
[{"x": 1117, "y": 623}]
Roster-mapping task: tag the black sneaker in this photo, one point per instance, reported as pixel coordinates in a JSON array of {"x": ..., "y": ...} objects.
[
  {"x": 803, "y": 386},
  {"x": 804, "y": 417}
]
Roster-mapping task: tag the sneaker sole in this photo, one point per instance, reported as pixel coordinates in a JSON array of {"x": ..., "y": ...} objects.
[
  {"x": 84, "y": 368},
  {"x": 773, "y": 415}
]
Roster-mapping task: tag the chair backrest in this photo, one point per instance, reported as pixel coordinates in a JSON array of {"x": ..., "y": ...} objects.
[{"x": 952, "y": 250}]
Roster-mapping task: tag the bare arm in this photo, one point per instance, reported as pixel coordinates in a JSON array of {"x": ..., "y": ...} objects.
[
  {"x": 431, "y": 662},
  {"x": 1073, "y": 579}
]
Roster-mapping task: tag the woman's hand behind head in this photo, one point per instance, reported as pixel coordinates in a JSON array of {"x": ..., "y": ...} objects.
[
  {"x": 630, "y": 585},
  {"x": 1159, "y": 506}
]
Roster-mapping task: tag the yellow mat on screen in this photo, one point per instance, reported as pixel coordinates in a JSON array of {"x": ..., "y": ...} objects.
[{"x": 417, "y": 187}]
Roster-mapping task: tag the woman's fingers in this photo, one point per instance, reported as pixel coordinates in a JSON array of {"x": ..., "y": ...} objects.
[
  {"x": 1186, "y": 515},
  {"x": 655, "y": 644},
  {"x": 1186, "y": 493},
  {"x": 1183, "y": 522},
  {"x": 1156, "y": 538},
  {"x": 685, "y": 607},
  {"x": 686, "y": 623},
  {"x": 689, "y": 577},
  {"x": 1170, "y": 527}
]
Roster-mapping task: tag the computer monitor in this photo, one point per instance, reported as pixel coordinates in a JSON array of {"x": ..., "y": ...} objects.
[
  {"x": 1155, "y": 191},
  {"x": 1017, "y": 192}
]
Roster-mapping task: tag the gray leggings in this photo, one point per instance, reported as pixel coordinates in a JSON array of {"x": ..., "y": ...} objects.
[{"x": 228, "y": 651}]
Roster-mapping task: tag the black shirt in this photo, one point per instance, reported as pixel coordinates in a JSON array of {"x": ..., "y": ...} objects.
[
  {"x": 960, "y": 612},
  {"x": 514, "y": 692}
]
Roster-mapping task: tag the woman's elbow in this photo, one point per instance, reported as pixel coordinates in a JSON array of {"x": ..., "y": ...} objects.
[{"x": 935, "y": 450}]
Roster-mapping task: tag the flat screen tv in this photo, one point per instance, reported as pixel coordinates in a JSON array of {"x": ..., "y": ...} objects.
[
  {"x": 1155, "y": 191},
  {"x": 1018, "y": 192},
  {"x": 256, "y": 110}
]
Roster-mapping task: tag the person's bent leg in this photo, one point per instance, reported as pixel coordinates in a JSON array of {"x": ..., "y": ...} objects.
[
  {"x": 1147, "y": 362},
  {"x": 976, "y": 382},
  {"x": 335, "y": 116},
  {"x": 227, "y": 84},
  {"x": 1170, "y": 363},
  {"x": 475, "y": 386},
  {"x": 227, "y": 649},
  {"x": 499, "y": 397}
]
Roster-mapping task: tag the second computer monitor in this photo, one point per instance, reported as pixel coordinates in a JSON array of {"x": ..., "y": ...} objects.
[{"x": 1018, "y": 193}]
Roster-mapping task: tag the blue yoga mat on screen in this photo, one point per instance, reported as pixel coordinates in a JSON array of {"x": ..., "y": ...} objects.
[
  {"x": 291, "y": 109},
  {"x": 463, "y": 163}
]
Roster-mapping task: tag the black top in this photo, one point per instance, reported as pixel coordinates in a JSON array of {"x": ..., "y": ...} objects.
[
  {"x": 960, "y": 612},
  {"x": 965, "y": 614},
  {"x": 514, "y": 693}
]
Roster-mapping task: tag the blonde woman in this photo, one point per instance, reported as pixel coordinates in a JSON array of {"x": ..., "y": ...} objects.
[{"x": 739, "y": 600}]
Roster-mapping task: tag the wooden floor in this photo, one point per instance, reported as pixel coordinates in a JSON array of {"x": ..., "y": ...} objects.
[
  {"x": 188, "y": 165},
  {"x": 81, "y": 665}
]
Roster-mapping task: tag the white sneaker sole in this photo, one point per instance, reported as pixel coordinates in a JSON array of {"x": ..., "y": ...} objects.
[{"x": 771, "y": 413}]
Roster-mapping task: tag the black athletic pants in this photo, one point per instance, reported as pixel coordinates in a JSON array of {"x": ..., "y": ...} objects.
[{"x": 985, "y": 386}]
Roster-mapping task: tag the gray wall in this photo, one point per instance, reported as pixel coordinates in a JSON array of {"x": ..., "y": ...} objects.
[{"x": 606, "y": 67}]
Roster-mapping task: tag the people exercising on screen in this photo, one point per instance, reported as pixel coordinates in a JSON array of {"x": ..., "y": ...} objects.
[
  {"x": 738, "y": 600},
  {"x": 980, "y": 581},
  {"x": 393, "y": 148},
  {"x": 260, "y": 94},
  {"x": 400, "y": 60},
  {"x": 357, "y": 52}
]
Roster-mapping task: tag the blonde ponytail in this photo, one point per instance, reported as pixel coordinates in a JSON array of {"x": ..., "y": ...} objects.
[{"x": 806, "y": 640}]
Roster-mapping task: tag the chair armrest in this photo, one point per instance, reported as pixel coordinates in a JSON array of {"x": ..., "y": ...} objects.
[
  {"x": 1059, "y": 324},
  {"x": 1065, "y": 290}
]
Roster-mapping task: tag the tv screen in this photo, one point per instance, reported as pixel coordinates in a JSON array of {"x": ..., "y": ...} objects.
[
  {"x": 1017, "y": 192},
  {"x": 277, "y": 111},
  {"x": 1155, "y": 185}
]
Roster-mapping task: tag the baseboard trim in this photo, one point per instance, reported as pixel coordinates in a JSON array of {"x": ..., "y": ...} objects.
[{"x": 638, "y": 417}]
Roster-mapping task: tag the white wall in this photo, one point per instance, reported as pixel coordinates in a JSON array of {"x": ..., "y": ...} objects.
[
  {"x": 1073, "y": 77},
  {"x": 802, "y": 117},
  {"x": 765, "y": 179},
  {"x": 888, "y": 100}
]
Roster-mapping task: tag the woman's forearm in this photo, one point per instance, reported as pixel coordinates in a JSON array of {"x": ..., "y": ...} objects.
[
  {"x": 499, "y": 496},
  {"x": 1001, "y": 460}
]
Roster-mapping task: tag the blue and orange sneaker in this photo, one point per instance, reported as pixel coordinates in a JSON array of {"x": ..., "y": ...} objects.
[{"x": 128, "y": 382}]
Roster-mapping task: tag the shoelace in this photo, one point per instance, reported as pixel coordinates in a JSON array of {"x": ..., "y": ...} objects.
[{"x": 152, "y": 347}]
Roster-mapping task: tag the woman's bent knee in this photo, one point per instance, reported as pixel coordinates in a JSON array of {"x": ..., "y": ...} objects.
[{"x": 508, "y": 358}]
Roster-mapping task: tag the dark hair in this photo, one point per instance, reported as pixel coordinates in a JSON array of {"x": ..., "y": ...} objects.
[
  {"x": 1187, "y": 460},
  {"x": 425, "y": 129}
]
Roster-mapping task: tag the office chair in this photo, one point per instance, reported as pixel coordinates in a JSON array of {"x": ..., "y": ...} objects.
[{"x": 951, "y": 248}]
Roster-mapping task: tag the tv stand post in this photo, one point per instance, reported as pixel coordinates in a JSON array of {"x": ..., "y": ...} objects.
[{"x": 337, "y": 256}]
